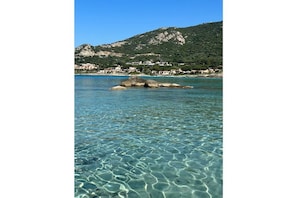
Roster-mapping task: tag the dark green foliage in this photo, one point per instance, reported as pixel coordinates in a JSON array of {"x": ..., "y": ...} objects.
[{"x": 202, "y": 49}]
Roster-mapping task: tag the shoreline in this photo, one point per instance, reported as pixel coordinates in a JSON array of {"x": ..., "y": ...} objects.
[{"x": 215, "y": 75}]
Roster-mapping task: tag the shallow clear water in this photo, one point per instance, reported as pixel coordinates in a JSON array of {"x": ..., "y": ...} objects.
[{"x": 144, "y": 142}]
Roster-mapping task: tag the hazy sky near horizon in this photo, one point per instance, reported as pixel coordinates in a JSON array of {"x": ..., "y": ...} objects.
[{"x": 99, "y": 22}]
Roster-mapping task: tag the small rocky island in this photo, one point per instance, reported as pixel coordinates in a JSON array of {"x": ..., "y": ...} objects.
[{"x": 135, "y": 81}]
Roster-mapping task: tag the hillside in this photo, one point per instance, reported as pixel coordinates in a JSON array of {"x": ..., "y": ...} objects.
[{"x": 196, "y": 47}]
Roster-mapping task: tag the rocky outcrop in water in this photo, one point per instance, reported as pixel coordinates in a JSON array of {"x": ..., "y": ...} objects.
[
  {"x": 118, "y": 88},
  {"x": 135, "y": 81},
  {"x": 151, "y": 84}
]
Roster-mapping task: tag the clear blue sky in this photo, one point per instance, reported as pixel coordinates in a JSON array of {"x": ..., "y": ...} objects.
[{"x": 106, "y": 21}]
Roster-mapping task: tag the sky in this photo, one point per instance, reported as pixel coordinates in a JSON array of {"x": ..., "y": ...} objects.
[{"x": 99, "y": 22}]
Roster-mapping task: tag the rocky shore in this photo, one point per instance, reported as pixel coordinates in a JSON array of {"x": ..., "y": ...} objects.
[{"x": 135, "y": 81}]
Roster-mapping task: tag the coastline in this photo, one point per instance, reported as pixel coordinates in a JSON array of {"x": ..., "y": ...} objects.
[{"x": 213, "y": 75}]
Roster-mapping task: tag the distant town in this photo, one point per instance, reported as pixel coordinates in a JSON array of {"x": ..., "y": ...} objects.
[{"x": 133, "y": 69}]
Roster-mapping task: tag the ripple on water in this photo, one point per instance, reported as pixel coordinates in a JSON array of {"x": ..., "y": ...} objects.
[
  {"x": 89, "y": 185},
  {"x": 137, "y": 185},
  {"x": 156, "y": 194},
  {"x": 177, "y": 164},
  {"x": 106, "y": 176},
  {"x": 161, "y": 186},
  {"x": 170, "y": 172},
  {"x": 201, "y": 194},
  {"x": 112, "y": 187},
  {"x": 160, "y": 177},
  {"x": 150, "y": 179}
]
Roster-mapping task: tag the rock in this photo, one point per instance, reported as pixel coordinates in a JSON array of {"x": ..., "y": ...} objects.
[
  {"x": 151, "y": 84},
  {"x": 175, "y": 85},
  {"x": 187, "y": 87},
  {"x": 170, "y": 85},
  {"x": 136, "y": 81},
  {"x": 139, "y": 84},
  {"x": 118, "y": 88},
  {"x": 133, "y": 81},
  {"x": 126, "y": 83},
  {"x": 164, "y": 84}
]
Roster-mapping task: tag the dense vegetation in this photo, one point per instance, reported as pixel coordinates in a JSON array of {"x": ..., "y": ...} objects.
[{"x": 202, "y": 48}]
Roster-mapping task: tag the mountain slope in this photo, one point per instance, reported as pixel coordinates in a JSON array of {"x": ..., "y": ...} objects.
[{"x": 195, "y": 47}]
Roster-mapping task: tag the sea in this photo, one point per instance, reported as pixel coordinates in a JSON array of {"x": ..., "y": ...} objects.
[{"x": 148, "y": 142}]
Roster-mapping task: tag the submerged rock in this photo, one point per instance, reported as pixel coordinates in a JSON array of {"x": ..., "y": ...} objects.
[
  {"x": 118, "y": 88},
  {"x": 187, "y": 87}
]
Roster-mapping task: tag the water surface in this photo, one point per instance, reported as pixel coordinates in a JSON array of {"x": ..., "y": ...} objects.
[{"x": 144, "y": 142}]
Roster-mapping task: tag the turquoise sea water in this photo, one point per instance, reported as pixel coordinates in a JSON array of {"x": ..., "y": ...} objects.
[{"x": 144, "y": 142}]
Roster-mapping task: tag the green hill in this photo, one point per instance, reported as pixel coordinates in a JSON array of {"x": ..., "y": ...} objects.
[{"x": 195, "y": 47}]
